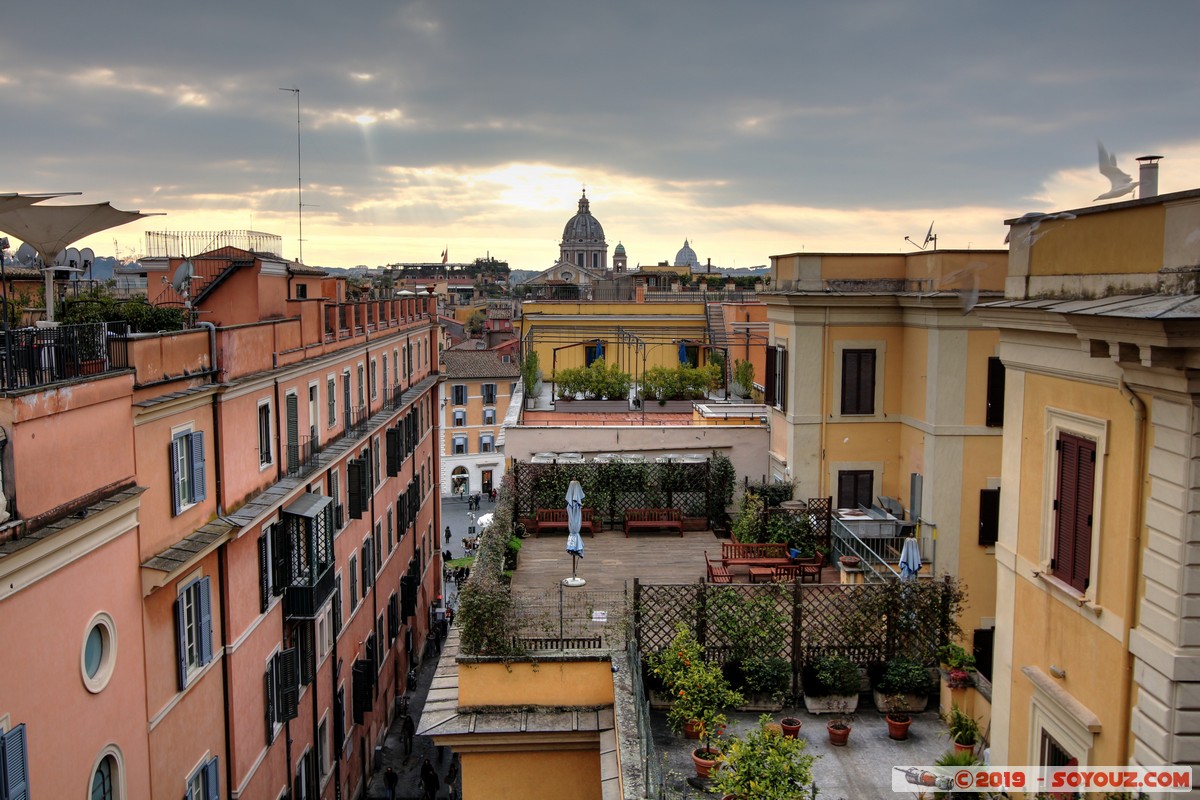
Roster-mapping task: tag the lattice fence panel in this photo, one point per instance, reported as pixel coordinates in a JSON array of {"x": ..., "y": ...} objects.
[
  {"x": 570, "y": 614},
  {"x": 839, "y": 619},
  {"x": 611, "y": 489},
  {"x": 659, "y": 608},
  {"x": 751, "y": 619}
]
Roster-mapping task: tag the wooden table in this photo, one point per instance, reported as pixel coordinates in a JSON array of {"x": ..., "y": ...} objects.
[{"x": 763, "y": 573}]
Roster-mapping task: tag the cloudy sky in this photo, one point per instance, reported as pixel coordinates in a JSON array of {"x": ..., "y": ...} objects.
[{"x": 752, "y": 128}]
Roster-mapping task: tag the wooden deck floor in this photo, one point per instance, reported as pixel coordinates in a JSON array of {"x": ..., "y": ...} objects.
[{"x": 610, "y": 560}]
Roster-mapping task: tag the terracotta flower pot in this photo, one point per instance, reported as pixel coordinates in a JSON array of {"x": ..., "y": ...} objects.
[
  {"x": 964, "y": 748},
  {"x": 791, "y": 727},
  {"x": 839, "y": 733},
  {"x": 898, "y": 726},
  {"x": 691, "y": 729},
  {"x": 850, "y": 561},
  {"x": 704, "y": 759}
]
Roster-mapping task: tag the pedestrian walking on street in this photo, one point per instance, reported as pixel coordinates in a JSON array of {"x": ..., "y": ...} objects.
[
  {"x": 449, "y": 535},
  {"x": 407, "y": 729},
  {"x": 429, "y": 781},
  {"x": 390, "y": 780}
]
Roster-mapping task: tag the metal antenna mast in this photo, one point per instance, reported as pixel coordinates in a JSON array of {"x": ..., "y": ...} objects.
[{"x": 299, "y": 184}]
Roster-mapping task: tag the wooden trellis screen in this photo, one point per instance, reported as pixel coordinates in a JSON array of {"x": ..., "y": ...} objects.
[
  {"x": 613, "y": 488},
  {"x": 867, "y": 623}
]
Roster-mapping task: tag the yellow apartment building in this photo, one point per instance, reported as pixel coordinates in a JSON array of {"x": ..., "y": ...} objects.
[
  {"x": 476, "y": 389},
  {"x": 1097, "y": 655},
  {"x": 882, "y": 384}
]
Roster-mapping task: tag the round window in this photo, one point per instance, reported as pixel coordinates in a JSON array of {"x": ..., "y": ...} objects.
[{"x": 99, "y": 653}]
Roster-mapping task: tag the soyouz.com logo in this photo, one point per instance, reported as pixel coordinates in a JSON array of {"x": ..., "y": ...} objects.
[{"x": 1164, "y": 778}]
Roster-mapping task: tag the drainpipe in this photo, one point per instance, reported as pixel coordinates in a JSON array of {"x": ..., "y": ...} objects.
[
  {"x": 821, "y": 465},
  {"x": 1134, "y": 556}
]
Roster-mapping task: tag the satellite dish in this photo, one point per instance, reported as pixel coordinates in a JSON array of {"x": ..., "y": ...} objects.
[
  {"x": 26, "y": 255},
  {"x": 182, "y": 279},
  {"x": 87, "y": 257},
  {"x": 67, "y": 261}
]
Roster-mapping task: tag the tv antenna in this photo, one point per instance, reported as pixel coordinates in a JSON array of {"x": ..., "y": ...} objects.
[
  {"x": 930, "y": 236},
  {"x": 299, "y": 184}
]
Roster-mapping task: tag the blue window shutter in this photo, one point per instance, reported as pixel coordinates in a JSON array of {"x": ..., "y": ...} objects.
[
  {"x": 198, "y": 488},
  {"x": 181, "y": 642},
  {"x": 173, "y": 454},
  {"x": 14, "y": 760},
  {"x": 212, "y": 780},
  {"x": 206, "y": 637}
]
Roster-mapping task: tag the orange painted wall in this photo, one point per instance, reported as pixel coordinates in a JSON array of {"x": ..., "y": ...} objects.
[
  {"x": 90, "y": 421},
  {"x": 41, "y": 685},
  {"x": 545, "y": 775}
]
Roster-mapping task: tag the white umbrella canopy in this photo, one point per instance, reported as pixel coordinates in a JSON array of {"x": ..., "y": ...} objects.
[
  {"x": 574, "y": 523},
  {"x": 910, "y": 559},
  {"x": 11, "y": 201},
  {"x": 52, "y": 229}
]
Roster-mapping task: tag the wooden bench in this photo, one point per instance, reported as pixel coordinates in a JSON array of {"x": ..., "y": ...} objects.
[
  {"x": 755, "y": 555},
  {"x": 653, "y": 519},
  {"x": 716, "y": 572},
  {"x": 803, "y": 568},
  {"x": 555, "y": 519}
]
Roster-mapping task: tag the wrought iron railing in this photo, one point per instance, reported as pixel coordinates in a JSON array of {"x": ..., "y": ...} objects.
[
  {"x": 847, "y": 543},
  {"x": 303, "y": 456},
  {"x": 358, "y": 421},
  {"x": 38, "y": 356}
]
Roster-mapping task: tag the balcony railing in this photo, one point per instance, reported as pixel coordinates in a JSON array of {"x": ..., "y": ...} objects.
[
  {"x": 303, "y": 456},
  {"x": 38, "y": 356},
  {"x": 302, "y": 602},
  {"x": 358, "y": 421}
]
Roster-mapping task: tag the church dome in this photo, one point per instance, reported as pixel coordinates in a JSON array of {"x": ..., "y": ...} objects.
[
  {"x": 583, "y": 226},
  {"x": 620, "y": 251},
  {"x": 686, "y": 257}
]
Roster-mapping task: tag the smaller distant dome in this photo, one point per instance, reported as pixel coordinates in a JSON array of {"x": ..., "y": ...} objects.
[
  {"x": 620, "y": 251},
  {"x": 686, "y": 257}
]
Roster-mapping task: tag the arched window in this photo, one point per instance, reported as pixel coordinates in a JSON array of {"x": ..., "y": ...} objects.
[{"x": 107, "y": 783}]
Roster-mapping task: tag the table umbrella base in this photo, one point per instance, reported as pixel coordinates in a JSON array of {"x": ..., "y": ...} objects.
[{"x": 573, "y": 582}]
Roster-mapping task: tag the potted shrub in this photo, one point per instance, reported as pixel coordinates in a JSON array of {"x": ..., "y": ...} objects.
[
  {"x": 763, "y": 765},
  {"x": 840, "y": 724},
  {"x": 701, "y": 696},
  {"x": 962, "y": 728},
  {"x": 953, "y": 760},
  {"x": 898, "y": 718},
  {"x": 791, "y": 726},
  {"x": 830, "y": 683},
  {"x": 669, "y": 665},
  {"x": 903, "y": 676}
]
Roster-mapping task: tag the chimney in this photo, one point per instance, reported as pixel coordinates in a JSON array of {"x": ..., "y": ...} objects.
[{"x": 1148, "y": 176}]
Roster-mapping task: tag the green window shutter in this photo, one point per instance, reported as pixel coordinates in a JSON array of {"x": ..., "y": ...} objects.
[
  {"x": 264, "y": 573},
  {"x": 287, "y": 683},
  {"x": 173, "y": 455},
  {"x": 14, "y": 758},
  {"x": 181, "y": 643},
  {"x": 204, "y": 600},
  {"x": 269, "y": 700},
  {"x": 196, "y": 443},
  {"x": 354, "y": 482}
]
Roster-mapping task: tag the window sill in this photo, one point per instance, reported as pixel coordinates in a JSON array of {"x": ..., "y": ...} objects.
[{"x": 1067, "y": 591}]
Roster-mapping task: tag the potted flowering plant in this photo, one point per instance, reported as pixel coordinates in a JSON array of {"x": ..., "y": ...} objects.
[
  {"x": 701, "y": 696},
  {"x": 763, "y": 765}
]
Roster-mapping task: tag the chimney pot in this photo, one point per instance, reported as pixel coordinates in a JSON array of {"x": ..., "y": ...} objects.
[{"x": 1148, "y": 176}]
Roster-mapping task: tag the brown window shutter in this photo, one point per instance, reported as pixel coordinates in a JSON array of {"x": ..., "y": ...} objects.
[{"x": 769, "y": 378}]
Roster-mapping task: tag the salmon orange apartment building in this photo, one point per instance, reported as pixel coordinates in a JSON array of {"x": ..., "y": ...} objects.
[{"x": 217, "y": 554}]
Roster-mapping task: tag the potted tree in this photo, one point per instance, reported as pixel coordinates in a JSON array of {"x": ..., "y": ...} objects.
[
  {"x": 840, "y": 724},
  {"x": 668, "y": 666},
  {"x": 903, "y": 676},
  {"x": 898, "y": 718},
  {"x": 763, "y": 765},
  {"x": 701, "y": 697},
  {"x": 962, "y": 728},
  {"x": 831, "y": 683}
]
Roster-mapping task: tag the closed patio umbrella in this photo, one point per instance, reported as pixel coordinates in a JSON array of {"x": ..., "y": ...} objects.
[
  {"x": 910, "y": 559},
  {"x": 574, "y": 522}
]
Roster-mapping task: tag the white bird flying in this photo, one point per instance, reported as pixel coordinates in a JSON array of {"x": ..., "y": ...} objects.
[{"x": 1121, "y": 182}]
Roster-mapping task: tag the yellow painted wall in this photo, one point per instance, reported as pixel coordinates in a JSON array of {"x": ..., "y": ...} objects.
[
  {"x": 981, "y": 344},
  {"x": 542, "y": 683},
  {"x": 861, "y": 266},
  {"x": 976, "y": 565},
  {"x": 1099, "y": 244},
  {"x": 893, "y": 362},
  {"x": 914, "y": 373},
  {"x": 541, "y": 775}
]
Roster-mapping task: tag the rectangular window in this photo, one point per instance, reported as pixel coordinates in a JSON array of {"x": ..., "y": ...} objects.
[
  {"x": 775, "y": 380},
  {"x": 374, "y": 385},
  {"x": 489, "y": 394},
  {"x": 330, "y": 400},
  {"x": 264, "y": 434},
  {"x": 335, "y": 492},
  {"x": 353, "y": 582},
  {"x": 858, "y": 381},
  {"x": 1072, "y": 556},
  {"x": 855, "y": 488},
  {"x": 325, "y": 632},
  {"x": 193, "y": 628},
  {"x": 365, "y": 562},
  {"x": 362, "y": 400},
  {"x": 989, "y": 516},
  {"x": 376, "y": 449},
  {"x": 485, "y": 443},
  {"x": 205, "y": 782},
  {"x": 460, "y": 445},
  {"x": 460, "y": 419},
  {"x": 396, "y": 365},
  {"x": 187, "y": 470},
  {"x": 994, "y": 416},
  {"x": 377, "y": 559},
  {"x": 326, "y": 762},
  {"x": 269, "y": 573},
  {"x": 459, "y": 392},
  {"x": 336, "y": 604},
  {"x": 489, "y": 416},
  {"x": 390, "y": 542}
]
